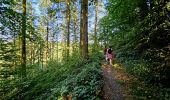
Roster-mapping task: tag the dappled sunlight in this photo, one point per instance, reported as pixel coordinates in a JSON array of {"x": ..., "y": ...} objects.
[
  {"x": 121, "y": 74},
  {"x": 84, "y": 49},
  {"x": 111, "y": 88},
  {"x": 118, "y": 77},
  {"x": 116, "y": 65}
]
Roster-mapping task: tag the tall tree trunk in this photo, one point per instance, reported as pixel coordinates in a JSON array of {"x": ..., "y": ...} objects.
[
  {"x": 14, "y": 61},
  {"x": 53, "y": 47},
  {"x": 39, "y": 53},
  {"x": 31, "y": 33},
  {"x": 95, "y": 25},
  {"x": 57, "y": 47},
  {"x": 84, "y": 29},
  {"x": 20, "y": 47},
  {"x": 68, "y": 28},
  {"x": 23, "y": 63},
  {"x": 42, "y": 57},
  {"x": 20, "y": 40},
  {"x": 75, "y": 24},
  {"x": 47, "y": 43}
]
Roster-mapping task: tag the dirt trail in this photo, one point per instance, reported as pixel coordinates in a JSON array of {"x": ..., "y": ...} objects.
[
  {"x": 111, "y": 89},
  {"x": 113, "y": 77}
]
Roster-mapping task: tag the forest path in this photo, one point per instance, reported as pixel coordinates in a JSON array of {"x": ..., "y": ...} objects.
[{"x": 116, "y": 82}]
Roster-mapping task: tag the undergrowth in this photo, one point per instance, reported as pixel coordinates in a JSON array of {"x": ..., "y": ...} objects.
[
  {"x": 144, "y": 88},
  {"x": 79, "y": 78}
]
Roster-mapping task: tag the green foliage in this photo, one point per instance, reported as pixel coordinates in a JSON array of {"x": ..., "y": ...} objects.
[
  {"x": 88, "y": 83},
  {"x": 79, "y": 78},
  {"x": 138, "y": 67},
  {"x": 153, "y": 42},
  {"x": 145, "y": 91},
  {"x": 9, "y": 18},
  {"x": 139, "y": 33},
  {"x": 7, "y": 64}
]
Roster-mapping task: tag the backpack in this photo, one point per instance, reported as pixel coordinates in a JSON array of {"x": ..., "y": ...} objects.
[{"x": 110, "y": 51}]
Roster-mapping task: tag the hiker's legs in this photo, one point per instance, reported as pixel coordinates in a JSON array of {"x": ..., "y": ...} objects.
[{"x": 110, "y": 61}]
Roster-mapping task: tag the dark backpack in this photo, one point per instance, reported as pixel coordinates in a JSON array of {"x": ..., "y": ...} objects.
[{"x": 110, "y": 51}]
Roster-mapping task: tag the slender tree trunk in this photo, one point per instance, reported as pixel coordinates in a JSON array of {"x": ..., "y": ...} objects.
[
  {"x": 42, "y": 57},
  {"x": 57, "y": 49},
  {"x": 95, "y": 25},
  {"x": 23, "y": 63},
  {"x": 75, "y": 24},
  {"x": 19, "y": 38},
  {"x": 47, "y": 44},
  {"x": 14, "y": 61},
  {"x": 30, "y": 52},
  {"x": 68, "y": 28},
  {"x": 49, "y": 50},
  {"x": 31, "y": 44},
  {"x": 84, "y": 29},
  {"x": 39, "y": 54},
  {"x": 53, "y": 47},
  {"x": 20, "y": 49},
  {"x": 33, "y": 53}
]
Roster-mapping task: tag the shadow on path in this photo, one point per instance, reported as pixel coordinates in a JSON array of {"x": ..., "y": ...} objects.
[{"x": 111, "y": 89}]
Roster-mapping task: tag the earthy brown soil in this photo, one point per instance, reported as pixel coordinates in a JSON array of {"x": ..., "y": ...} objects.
[{"x": 116, "y": 82}]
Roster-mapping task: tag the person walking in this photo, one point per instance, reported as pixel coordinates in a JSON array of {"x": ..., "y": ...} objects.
[{"x": 110, "y": 55}]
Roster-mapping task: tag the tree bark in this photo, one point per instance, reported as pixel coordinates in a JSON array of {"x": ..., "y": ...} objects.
[
  {"x": 74, "y": 30},
  {"x": 32, "y": 50},
  {"x": 47, "y": 47},
  {"x": 84, "y": 29},
  {"x": 95, "y": 25},
  {"x": 68, "y": 27},
  {"x": 23, "y": 63}
]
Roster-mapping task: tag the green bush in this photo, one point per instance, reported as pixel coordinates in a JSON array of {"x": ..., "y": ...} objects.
[
  {"x": 87, "y": 83},
  {"x": 137, "y": 67},
  {"x": 78, "y": 77}
]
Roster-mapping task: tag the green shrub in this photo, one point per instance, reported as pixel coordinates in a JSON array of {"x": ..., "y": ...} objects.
[
  {"x": 137, "y": 67},
  {"x": 87, "y": 83},
  {"x": 78, "y": 77}
]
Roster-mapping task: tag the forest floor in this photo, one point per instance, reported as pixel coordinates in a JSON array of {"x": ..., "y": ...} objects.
[{"x": 117, "y": 82}]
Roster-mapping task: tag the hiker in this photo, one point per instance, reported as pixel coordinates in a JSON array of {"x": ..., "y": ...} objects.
[
  {"x": 105, "y": 51},
  {"x": 109, "y": 55}
]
